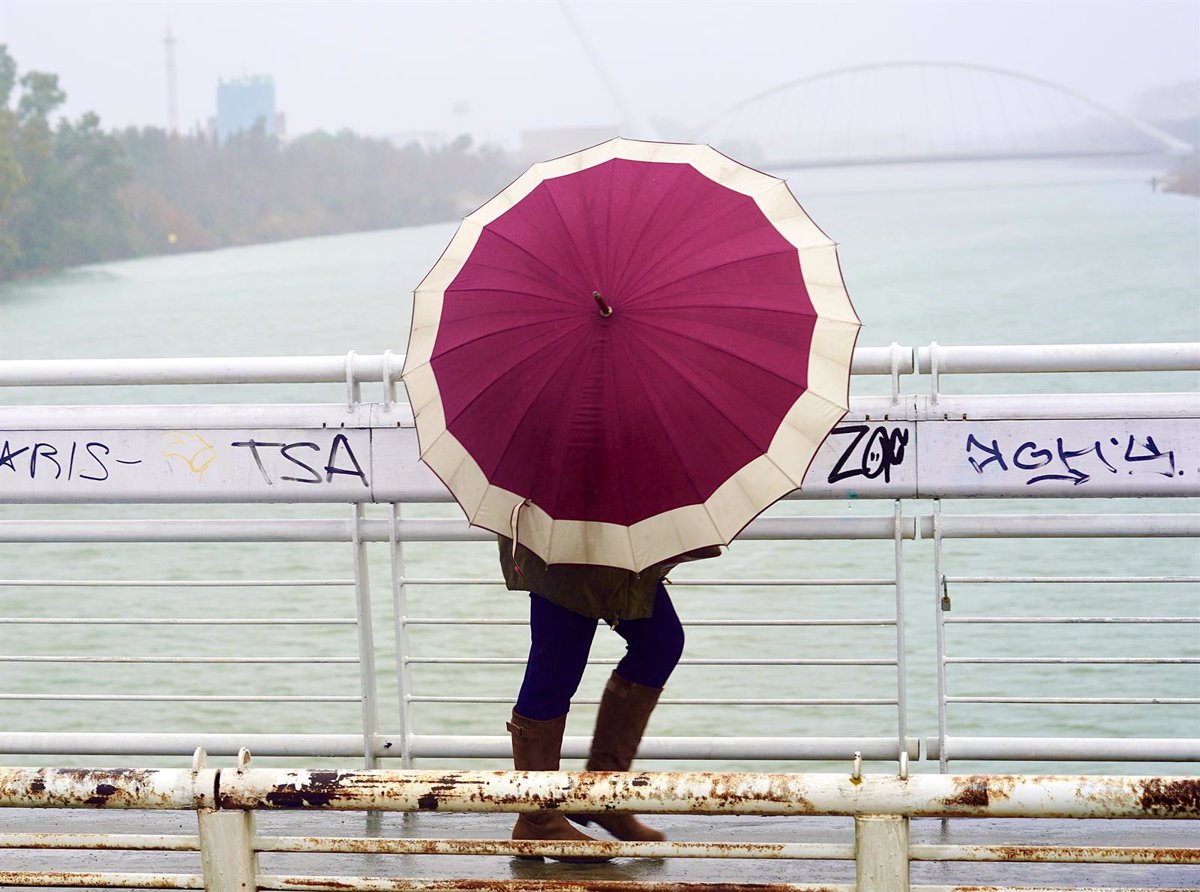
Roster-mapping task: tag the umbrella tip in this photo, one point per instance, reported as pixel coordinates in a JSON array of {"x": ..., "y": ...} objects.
[{"x": 605, "y": 309}]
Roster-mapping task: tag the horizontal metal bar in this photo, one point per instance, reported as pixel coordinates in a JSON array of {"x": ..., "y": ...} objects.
[
  {"x": 766, "y": 583},
  {"x": 1099, "y": 620},
  {"x": 170, "y": 788},
  {"x": 682, "y": 701},
  {"x": 1008, "y": 358},
  {"x": 1053, "y": 407},
  {"x": 1053, "y": 580},
  {"x": 885, "y": 749},
  {"x": 442, "y": 746},
  {"x": 40, "y": 879},
  {"x": 107, "y": 841},
  {"x": 378, "y": 530},
  {"x": 1061, "y": 526},
  {"x": 1077, "y": 661},
  {"x": 154, "y": 660},
  {"x": 170, "y": 621},
  {"x": 195, "y": 370},
  {"x": 1084, "y": 701},
  {"x": 1070, "y": 749},
  {"x": 1055, "y": 854},
  {"x": 341, "y": 883},
  {"x": 514, "y": 621},
  {"x": 182, "y": 698},
  {"x": 921, "y": 795},
  {"x": 174, "y": 583},
  {"x": 374, "y": 845},
  {"x": 974, "y": 888},
  {"x": 361, "y": 369},
  {"x": 181, "y": 744},
  {"x": 698, "y": 661},
  {"x": 837, "y": 581}
]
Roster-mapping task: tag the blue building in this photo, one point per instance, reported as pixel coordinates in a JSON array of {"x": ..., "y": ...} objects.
[{"x": 243, "y": 103}]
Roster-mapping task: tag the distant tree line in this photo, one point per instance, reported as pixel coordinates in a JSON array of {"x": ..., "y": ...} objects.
[{"x": 72, "y": 193}]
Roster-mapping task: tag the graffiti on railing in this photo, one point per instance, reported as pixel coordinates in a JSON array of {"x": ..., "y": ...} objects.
[
  {"x": 294, "y": 458},
  {"x": 864, "y": 457},
  {"x": 82, "y": 460},
  {"x": 870, "y": 453},
  {"x": 1040, "y": 461}
]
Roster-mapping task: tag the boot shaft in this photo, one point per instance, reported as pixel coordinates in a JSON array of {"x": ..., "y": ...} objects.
[
  {"x": 536, "y": 744},
  {"x": 621, "y": 721}
]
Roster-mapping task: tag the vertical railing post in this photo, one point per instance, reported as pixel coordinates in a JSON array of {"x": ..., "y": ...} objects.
[
  {"x": 881, "y": 853},
  {"x": 227, "y": 856},
  {"x": 400, "y": 626},
  {"x": 366, "y": 640},
  {"x": 901, "y": 661},
  {"x": 940, "y": 606}
]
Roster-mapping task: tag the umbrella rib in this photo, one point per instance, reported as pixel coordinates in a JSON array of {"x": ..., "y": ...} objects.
[
  {"x": 668, "y": 359},
  {"x": 579, "y": 254},
  {"x": 483, "y": 390},
  {"x": 550, "y": 379},
  {"x": 728, "y": 263},
  {"x": 657, "y": 404},
  {"x": 711, "y": 222},
  {"x": 568, "y": 286},
  {"x": 477, "y": 264},
  {"x": 715, "y": 347},
  {"x": 619, "y": 281},
  {"x": 448, "y": 351}
]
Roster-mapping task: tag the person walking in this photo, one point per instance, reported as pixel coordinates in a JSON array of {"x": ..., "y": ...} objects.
[{"x": 566, "y": 603}]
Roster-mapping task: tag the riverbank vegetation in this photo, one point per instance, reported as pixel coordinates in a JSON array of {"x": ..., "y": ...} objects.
[{"x": 73, "y": 193}]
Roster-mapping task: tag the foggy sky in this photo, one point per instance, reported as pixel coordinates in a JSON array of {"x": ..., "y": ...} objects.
[{"x": 496, "y": 68}]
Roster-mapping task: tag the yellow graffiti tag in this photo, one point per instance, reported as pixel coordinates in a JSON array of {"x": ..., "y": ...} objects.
[{"x": 195, "y": 451}]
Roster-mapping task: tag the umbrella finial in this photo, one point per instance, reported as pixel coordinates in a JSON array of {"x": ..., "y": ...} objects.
[{"x": 605, "y": 309}]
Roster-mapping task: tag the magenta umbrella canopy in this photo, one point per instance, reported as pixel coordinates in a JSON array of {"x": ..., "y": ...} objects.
[{"x": 642, "y": 345}]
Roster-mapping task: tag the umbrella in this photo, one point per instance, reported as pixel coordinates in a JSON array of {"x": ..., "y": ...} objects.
[{"x": 629, "y": 353}]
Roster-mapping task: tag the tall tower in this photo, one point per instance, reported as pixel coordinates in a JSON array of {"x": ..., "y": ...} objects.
[{"x": 172, "y": 101}]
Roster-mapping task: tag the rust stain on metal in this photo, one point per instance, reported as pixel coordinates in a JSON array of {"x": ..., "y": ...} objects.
[
  {"x": 1174, "y": 797},
  {"x": 969, "y": 791},
  {"x": 1108, "y": 854},
  {"x": 99, "y": 788},
  {"x": 428, "y": 802},
  {"x": 101, "y": 796},
  {"x": 556, "y": 885},
  {"x": 322, "y": 788}
]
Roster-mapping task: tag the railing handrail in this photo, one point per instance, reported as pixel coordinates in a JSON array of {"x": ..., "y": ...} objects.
[
  {"x": 226, "y": 802},
  {"x": 675, "y": 792},
  {"x": 385, "y": 367}
]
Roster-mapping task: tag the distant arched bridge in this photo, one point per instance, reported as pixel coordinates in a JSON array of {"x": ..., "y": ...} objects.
[{"x": 926, "y": 111}]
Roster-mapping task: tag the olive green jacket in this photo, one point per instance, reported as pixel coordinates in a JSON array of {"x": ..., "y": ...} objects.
[{"x": 607, "y": 593}]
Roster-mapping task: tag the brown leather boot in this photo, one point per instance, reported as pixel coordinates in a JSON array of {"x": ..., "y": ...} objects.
[
  {"x": 624, "y": 711},
  {"x": 537, "y": 746}
]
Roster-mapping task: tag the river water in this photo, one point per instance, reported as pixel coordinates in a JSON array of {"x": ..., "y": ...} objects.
[{"x": 1014, "y": 253}]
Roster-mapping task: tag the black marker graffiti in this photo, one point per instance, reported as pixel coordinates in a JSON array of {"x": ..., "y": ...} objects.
[
  {"x": 1069, "y": 465},
  {"x": 340, "y": 460},
  {"x": 870, "y": 453},
  {"x": 41, "y": 461}
]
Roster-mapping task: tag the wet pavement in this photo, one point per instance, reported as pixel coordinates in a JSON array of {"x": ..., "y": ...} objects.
[{"x": 697, "y": 828}]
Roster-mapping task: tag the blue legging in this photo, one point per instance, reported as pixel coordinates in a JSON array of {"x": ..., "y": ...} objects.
[{"x": 560, "y": 641}]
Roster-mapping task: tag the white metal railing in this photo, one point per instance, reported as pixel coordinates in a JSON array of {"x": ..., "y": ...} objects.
[
  {"x": 404, "y": 742},
  {"x": 226, "y": 802},
  {"x": 950, "y": 588},
  {"x": 896, "y": 448}
]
